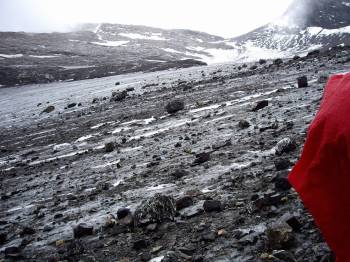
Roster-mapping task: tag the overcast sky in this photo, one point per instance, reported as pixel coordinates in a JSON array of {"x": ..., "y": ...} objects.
[{"x": 226, "y": 18}]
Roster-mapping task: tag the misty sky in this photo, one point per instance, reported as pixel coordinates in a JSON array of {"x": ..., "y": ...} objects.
[{"x": 226, "y": 18}]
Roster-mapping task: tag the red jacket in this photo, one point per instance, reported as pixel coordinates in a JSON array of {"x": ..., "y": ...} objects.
[{"x": 322, "y": 175}]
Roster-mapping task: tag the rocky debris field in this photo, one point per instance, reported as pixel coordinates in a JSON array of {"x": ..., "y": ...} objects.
[{"x": 186, "y": 165}]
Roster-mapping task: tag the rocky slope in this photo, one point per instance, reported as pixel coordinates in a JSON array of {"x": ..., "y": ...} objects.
[{"x": 91, "y": 171}]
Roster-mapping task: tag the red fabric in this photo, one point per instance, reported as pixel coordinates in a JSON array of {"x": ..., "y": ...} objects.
[{"x": 322, "y": 175}]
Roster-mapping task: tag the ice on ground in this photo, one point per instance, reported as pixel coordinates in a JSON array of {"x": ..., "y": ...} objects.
[
  {"x": 44, "y": 56},
  {"x": 170, "y": 50}
]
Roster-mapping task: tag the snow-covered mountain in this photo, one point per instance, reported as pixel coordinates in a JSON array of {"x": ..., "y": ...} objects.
[{"x": 306, "y": 25}]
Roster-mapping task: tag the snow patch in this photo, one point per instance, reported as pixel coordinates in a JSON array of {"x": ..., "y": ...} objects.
[
  {"x": 11, "y": 56},
  {"x": 153, "y": 36}
]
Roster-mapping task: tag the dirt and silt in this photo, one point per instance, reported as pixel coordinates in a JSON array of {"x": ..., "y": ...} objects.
[{"x": 109, "y": 176}]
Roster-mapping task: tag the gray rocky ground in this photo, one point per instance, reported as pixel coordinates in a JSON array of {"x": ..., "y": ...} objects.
[{"x": 89, "y": 173}]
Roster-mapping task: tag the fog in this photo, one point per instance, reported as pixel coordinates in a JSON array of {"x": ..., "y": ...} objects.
[{"x": 226, "y": 18}]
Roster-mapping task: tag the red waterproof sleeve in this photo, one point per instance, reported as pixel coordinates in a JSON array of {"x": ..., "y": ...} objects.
[{"x": 322, "y": 175}]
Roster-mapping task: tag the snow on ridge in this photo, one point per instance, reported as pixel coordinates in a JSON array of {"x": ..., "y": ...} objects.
[
  {"x": 170, "y": 50},
  {"x": 345, "y": 3},
  {"x": 111, "y": 43},
  {"x": 342, "y": 30},
  {"x": 153, "y": 36},
  {"x": 11, "y": 56}
]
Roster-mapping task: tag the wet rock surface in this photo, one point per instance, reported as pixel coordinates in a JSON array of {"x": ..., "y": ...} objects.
[{"x": 146, "y": 198}]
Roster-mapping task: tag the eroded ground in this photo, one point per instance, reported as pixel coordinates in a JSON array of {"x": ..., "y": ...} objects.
[{"x": 56, "y": 173}]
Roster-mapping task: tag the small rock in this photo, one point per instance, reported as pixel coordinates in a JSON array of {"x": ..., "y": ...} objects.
[
  {"x": 243, "y": 124},
  {"x": 283, "y": 255},
  {"x": 302, "y": 82},
  {"x": 27, "y": 231},
  {"x": 294, "y": 223},
  {"x": 71, "y": 105},
  {"x": 212, "y": 206},
  {"x": 157, "y": 209},
  {"x": 123, "y": 212},
  {"x": 3, "y": 238},
  {"x": 109, "y": 147},
  {"x": 201, "y": 158},
  {"x": 119, "y": 96},
  {"x": 140, "y": 244},
  {"x": 12, "y": 252},
  {"x": 260, "y": 105},
  {"x": 174, "y": 106},
  {"x": 179, "y": 173},
  {"x": 117, "y": 83},
  {"x": 184, "y": 202},
  {"x": 280, "y": 238},
  {"x": 48, "y": 109},
  {"x": 282, "y": 164},
  {"x": 82, "y": 230},
  {"x": 262, "y": 61},
  {"x": 286, "y": 145}
]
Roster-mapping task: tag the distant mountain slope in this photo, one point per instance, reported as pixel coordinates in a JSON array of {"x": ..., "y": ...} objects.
[
  {"x": 95, "y": 50},
  {"x": 305, "y": 26}
]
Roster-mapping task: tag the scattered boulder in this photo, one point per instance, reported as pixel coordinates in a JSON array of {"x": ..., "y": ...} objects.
[
  {"x": 262, "y": 61},
  {"x": 157, "y": 209},
  {"x": 278, "y": 61},
  {"x": 179, "y": 173},
  {"x": 12, "y": 252},
  {"x": 281, "y": 182},
  {"x": 212, "y": 206},
  {"x": 71, "y": 105},
  {"x": 260, "y": 105},
  {"x": 184, "y": 202},
  {"x": 322, "y": 79},
  {"x": 202, "y": 158},
  {"x": 243, "y": 124},
  {"x": 294, "y": 223},
  {"x": 123, "y": 212},
  {"x": 117, "y": 83},
  {"x": 140, "y": 244},
  {"x": 119, "y": 96},
  {"x": 109, "y": 147},
  {"x": 48, "y": 109},
  {"x": 282, "y": 164},
  {"x": 3, "y": 238},
  {"x": 82, "y": 230},
  {"x": 286, "y": 145},
  {"x": 280, "y": 238},
  {"x": 302, "y": 82},
  {"x": 174, "y": 106},
  {"x": 27, "y": 231}
]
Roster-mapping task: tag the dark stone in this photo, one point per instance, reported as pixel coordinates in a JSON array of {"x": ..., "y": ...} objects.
[
  {"x": 268, "y": 200},
  {"x": 296, "y": 57},
  {"x": 184, "y": 202},
  {"x": 140, "y": 244},
  {"x": 179, "y": 173},
  {"x": 109, "y": 147},
  {"x": 201, "y": 158},
  {"x": 262, "y": 61},
  {"x": 174, "y": 106},
  {"x": 314, "y": 53},
  {"x": 209, "y": 237},
  {"x": 212, "y": 206},
  {"x": 3, "y": 238},
  {"x": 72, "y": 105},
  {"x": 27, "y": 231},
  {"x": 294, "y": 223},
  {"x": 82, "y": 230},
  {"x": 253, "y": 67},
  {"x": 123, "y": 212},
  {"x": 282, "y": 183},
  {"x": 302, "y": 82},
  {"x": 12, "y": 252},
  {"x": 278, "y": 61},
  {"x": 243, "y": 124},
  {"x": 117, "y": 83},
  {"x": 119, "y": 96},
  {"x": 130, "y": 89},
  {"x": 284, "y": 256},
  {"x": 260, "y": 105},
  {"x": 48, "y": 109},
  {"x": 282, "y": 164}
]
